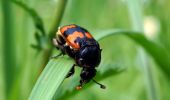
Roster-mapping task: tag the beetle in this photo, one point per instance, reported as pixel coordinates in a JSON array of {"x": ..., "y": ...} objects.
[{"x": 79, "y": 44}]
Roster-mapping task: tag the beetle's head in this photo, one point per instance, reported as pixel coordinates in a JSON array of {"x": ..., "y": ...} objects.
[{"x": 87, "y": 75}]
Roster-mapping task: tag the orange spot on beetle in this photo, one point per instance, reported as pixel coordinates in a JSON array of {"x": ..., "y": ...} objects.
[
  {"x": 72, "y": 37},
  {"x": 64, "y": 28},
  {"x": 88, "y": 35}
]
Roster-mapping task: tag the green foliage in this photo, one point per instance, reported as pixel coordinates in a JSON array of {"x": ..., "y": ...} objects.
[
  {"x": 36, "y": 18},
  {"x": 153, "y": 49},
  {"x": 51, "y": 78},
  {"x": 40, "y": 34},
  {"x": 25, "y": 74},
  {"x": 156, "y": 51}
]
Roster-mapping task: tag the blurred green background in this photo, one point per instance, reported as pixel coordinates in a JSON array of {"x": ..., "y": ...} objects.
[{"x": 139, "y": 77}]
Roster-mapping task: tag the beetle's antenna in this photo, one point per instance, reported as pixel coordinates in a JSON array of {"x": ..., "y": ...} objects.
[{"x": 101, "y": 85}]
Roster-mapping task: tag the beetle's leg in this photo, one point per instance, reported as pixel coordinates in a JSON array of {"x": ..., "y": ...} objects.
[
  {"x": 86, "y": 75},
  {"x": 69, "y": 51},
  {"x": 71, "y": 72},
  {"x": 81, "y": 80},
  {"x": 59, "y": 45},
  {"x": 56, "y": 56},
  {"x": 64, "y": 49}
]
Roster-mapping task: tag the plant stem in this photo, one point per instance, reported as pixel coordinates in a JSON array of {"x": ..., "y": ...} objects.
[
  {"x": 61, "y": 5},
  {"x": 9, "y": 48}
]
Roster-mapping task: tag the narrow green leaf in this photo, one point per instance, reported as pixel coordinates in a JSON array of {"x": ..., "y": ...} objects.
[
  {"x": 51, "y": 78},
  {"x": 40, "y": 35},
  {"x": 56, "y": 70},
  {"x": 159, "y": 53},
  {"x": 37, "y": 19},
  {"x": 100, "y": 76}
]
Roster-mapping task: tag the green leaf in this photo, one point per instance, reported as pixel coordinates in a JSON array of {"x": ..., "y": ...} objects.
[
  {"x": 159, "y": 53},
  {"x": 51, "y": 78},
  {"x": 56, "y": 70},
  {"x": 37, "y": 19},
  {"x": 40, "y": 35},
  {"x": 100, "y": 76}
]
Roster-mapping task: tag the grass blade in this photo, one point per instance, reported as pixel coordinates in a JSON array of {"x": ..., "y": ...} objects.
[
  {"x": 40, "y": 34},
  {"x": 159, "y": 54},
  {"x": 56, "y": 70},
  {"x": 108, "y": 73},
  {"x": 37, "y": 19},
  {"x": 51, "y": 78}
]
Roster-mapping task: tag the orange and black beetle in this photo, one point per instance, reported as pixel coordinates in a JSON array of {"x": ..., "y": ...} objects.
[{"x": 79, "y": 44}]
